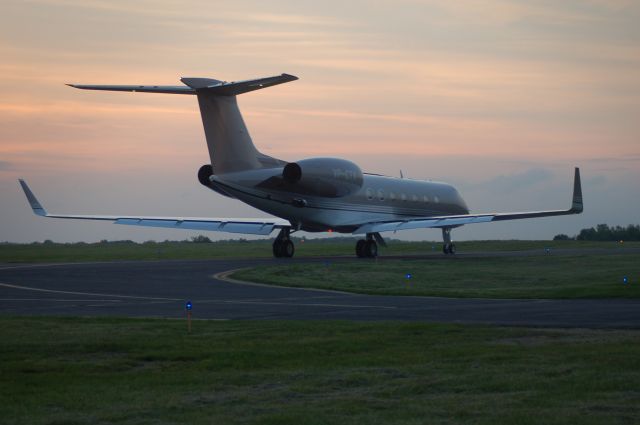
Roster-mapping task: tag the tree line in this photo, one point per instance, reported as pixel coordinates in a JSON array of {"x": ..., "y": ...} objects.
[{"x": 603, "y": 232}]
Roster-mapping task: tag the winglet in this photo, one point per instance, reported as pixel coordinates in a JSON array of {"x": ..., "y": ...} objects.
[
  {"x": 576, "y": 205},
  {"x": 33, "y": 201}
]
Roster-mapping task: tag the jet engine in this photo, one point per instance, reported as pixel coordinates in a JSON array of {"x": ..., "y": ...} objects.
[
  {"x": 328, "y": 177},
  {"x": 204, "y": 173}
]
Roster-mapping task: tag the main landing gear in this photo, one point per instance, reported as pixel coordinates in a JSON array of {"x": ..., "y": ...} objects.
[
  {"x": 449, "y": 248},
  {"x": 367, "y": 248},
  {"x": 283, "y": 245}
]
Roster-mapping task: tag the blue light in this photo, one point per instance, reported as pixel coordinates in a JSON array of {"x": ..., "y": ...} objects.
[
  {"x": 408, "y": 276},
  {"x": 189, "y": 306},
  {"x": 625, "y": 280}
]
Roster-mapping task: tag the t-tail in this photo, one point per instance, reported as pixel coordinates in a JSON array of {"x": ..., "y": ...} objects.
[{"x": 230, "y": 146}]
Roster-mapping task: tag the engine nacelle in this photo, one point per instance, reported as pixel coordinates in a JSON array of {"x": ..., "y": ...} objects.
[
  {"x": 329, "y": 177},
  {"x": 204, "y": 173}
]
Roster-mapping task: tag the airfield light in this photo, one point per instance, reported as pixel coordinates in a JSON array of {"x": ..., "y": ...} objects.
[
  {"x": 625, "y": 280},
  {"x": 188, "y": 306},
  {"x": 408, "y": 275}
]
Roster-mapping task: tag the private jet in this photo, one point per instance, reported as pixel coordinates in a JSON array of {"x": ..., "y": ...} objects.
[{"x": 311, "y": 195}]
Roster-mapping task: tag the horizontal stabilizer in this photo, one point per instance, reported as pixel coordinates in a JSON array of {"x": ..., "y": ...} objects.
[
  {"x": 141, "y": 89},
  {"x": 195, "y": 85},
  {"x": 220, "y": 88}
]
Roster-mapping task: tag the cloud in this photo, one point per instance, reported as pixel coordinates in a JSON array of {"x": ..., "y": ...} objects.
[
  {"x": 511, "y": 183},
  {"x": 5, "y": 165}
]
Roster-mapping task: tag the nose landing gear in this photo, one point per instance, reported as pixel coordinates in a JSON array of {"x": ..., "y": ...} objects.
[{"x": 448, "y": 247}]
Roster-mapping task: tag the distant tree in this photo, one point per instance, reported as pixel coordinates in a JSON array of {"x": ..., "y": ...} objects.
[
  {"x": 562, "y": 237},
  {"x": 603, "y": 232},
  {"x": 200, "y": 239}
]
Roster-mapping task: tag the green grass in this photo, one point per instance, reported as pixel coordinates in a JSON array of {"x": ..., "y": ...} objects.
[
  {"x": 58, "y": 252},
  {"x": 128, "y": 371},
  {"x": 539, "y": 276}
]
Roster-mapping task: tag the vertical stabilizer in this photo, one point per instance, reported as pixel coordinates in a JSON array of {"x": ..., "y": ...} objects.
[{"x": 230, "y": 146}]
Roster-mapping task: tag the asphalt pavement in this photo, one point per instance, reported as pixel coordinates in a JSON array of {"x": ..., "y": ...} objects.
[{"x": 161, "y": 289}]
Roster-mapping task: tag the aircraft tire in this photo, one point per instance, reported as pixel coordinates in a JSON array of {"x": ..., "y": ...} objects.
[
  {"x": 452, "y": 248},
  {"x": 277, "y": 248},
  {"x": 371, "y": 249},
  {"x": 360, "y": 248},
  {"x": 287, "y": 249}
]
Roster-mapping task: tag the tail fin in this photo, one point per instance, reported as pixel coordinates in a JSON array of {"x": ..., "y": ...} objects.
[{"x": 230, "y": 146}]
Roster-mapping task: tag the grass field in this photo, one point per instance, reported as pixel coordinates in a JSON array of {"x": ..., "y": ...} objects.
[
  {"x": 539, "y": 276},
  {"x": 129, "y": 371},
  {"x": 57, "y": 252}
]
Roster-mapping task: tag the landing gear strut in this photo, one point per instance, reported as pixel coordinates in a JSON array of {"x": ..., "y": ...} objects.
[
  {"x": 367, "y": 248},
  {"x": 283, "y": 245},
  {"x": 448, "y": 247}
]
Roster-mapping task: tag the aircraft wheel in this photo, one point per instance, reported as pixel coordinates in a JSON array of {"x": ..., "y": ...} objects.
[
  {"x": 277, "y": 248},
  {"x": 287, "y": 248},
  {"x": 452, "y": 248},
  {"x": 360, "y": 248},
  {"x": 371, "y": 249}
]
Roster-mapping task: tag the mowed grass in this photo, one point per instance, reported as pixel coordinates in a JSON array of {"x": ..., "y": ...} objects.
[
  {"x": 537, "y": 276},
  {"x": 130, "y": 371},
  {"x": 176, "y": 250}
]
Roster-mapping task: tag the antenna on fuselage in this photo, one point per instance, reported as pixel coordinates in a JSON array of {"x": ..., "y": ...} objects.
[{"x": 401, "y": 175}]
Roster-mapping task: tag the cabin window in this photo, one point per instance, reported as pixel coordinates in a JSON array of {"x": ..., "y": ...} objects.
[
  {"x": 425, "y": 198},
  {"x": 436, "y": 199},
  {"x": 403, "y": 197},
  {"x": 381, "y": 194},
  {"x": 414, "y": 198},
  {"x": 392, "y": 196},
  {"x": 369, "y": 194}
]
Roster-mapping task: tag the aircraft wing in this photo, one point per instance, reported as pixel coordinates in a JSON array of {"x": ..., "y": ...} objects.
[
  {"x": 459, "y": 220},
  {"x": 257, "y": 226}
]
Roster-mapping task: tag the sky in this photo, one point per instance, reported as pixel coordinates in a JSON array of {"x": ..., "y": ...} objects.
[{"x": 500, "y": 98}]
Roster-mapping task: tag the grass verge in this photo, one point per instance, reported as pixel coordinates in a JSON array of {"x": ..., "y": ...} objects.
[
  {"x": 176, "y": 250},
  {"x": 543, "y": 276},
  {"x": 129, "y": 371}
]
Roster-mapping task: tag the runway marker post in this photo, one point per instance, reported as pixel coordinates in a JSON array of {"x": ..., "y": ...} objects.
[{"x": 188, "y": 306}]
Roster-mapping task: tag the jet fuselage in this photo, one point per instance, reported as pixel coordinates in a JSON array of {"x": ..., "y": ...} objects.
[{"x": 380, "y": 198}]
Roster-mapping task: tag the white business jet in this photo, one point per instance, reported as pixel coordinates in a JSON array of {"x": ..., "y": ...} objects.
[{"x": 312, "y": 195}]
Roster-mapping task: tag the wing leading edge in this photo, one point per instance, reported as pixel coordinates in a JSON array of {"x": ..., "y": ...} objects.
[
  {"x": 257, "y": 226},
  {"x": 459, "y": 220}
]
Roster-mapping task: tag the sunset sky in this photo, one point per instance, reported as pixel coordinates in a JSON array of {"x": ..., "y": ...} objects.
[{"x": 501, "y": 98}]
